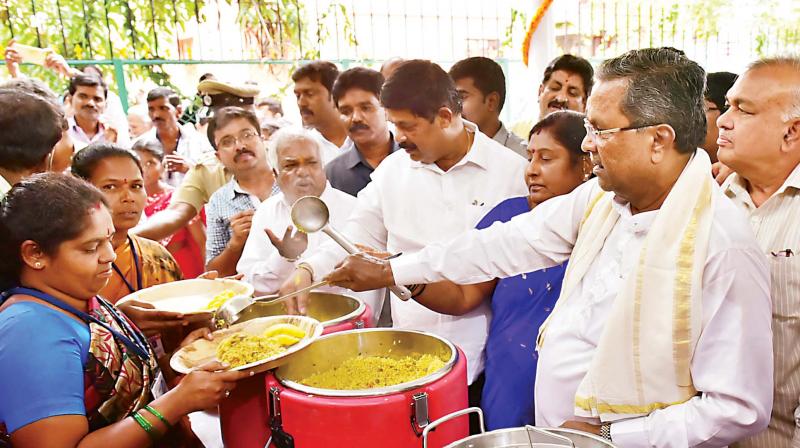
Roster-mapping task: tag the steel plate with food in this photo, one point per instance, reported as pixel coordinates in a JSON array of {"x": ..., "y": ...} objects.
[
  {"x": 192, "y": 296},
  {"x": 258, "y": 345}
]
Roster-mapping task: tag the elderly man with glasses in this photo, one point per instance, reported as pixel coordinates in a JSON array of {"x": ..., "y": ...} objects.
[{"x": 661, "y": 336}]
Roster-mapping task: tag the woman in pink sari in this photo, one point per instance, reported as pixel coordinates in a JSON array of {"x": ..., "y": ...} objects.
[{"x": 185, "y": 245}]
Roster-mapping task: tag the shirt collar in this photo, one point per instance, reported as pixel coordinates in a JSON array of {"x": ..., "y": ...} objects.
[
  {"x": 736, "y": 185},
  {"x": 476, "y": 155},
  {"x": 233, "y": 188},
  {"x": 637, "y": 223},
  {"x": 73, "y": 124},
  {"x": 352, "y": 157},
  {"x": 502, "y": 134}
]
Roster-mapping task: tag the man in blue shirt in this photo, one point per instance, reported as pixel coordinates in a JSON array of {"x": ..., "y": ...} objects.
[{"x": 356, "y": 94}]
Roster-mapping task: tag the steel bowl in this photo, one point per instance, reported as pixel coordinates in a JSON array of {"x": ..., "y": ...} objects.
[
  {"x": 330, "y": 351},
  {"x": 330, "y": 309},
  {"x": 529, "y": 437}
]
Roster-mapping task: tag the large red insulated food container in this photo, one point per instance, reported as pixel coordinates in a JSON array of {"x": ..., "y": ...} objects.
[
  {"x": 389, "y": 417},
  {"x": 243, "y": 415}
]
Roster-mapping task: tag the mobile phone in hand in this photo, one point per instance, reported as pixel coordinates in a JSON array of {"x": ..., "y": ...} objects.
[{"x": 33, "y": 55}]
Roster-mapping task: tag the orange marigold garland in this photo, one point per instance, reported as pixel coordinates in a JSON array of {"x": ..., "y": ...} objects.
[{"x": 537, "y": 18}]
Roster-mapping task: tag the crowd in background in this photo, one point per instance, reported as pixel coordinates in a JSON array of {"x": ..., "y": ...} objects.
[{"x": 410, "y": 160}]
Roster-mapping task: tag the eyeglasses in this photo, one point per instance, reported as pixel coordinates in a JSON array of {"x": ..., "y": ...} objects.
[
  {"x": 601, "y": 135},
  {"x": 230, "y": 141}
]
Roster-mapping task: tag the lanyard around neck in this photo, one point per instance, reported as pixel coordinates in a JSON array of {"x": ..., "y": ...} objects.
[
  {"x": 138, "y": 345},
  {"x": 135, "y": 268}
]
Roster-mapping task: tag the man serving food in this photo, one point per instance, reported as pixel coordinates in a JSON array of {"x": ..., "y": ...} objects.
[{"x": 661, "y": 335}]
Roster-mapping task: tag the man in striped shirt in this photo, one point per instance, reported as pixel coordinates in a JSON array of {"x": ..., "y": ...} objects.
[{"x": 759, "y": 138}]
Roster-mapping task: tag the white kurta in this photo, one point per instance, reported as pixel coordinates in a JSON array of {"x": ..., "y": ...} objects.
[
  {"x": 409, "y": 204},
  {"x": 731, "y": 366},
  {"x": 266, "y": 269}
]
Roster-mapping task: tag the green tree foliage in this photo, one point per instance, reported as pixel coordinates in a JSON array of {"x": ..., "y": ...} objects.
[{"x": 149, "y": 29}]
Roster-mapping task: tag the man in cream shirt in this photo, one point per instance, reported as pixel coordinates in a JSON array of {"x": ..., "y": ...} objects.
[
  {"x": 446, "y": 179},
  {"x": 273, "y": 245},
  {"x": 760, "y": 140},
  {"x": 661, "y": 336}
]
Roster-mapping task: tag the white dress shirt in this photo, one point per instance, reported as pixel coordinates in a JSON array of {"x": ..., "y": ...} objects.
[
  {"x": 777, "y": 227},
  {"x": 731, "y": 366},
  {"x": 329, "y": 149},
  {"x": 266, "y": 269},
  {"x": 409, "y": 204}
]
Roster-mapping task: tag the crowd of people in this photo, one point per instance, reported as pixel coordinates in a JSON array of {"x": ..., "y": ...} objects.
[{"x": 627, "y": 266}]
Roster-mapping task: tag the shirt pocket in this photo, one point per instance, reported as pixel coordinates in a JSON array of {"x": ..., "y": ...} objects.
[{"x": 785, "y": 284}]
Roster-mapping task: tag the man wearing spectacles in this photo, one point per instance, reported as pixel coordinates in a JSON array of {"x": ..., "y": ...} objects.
[
  {"x": 237, "y": 141},
  {"x": 661, "y": 336}
]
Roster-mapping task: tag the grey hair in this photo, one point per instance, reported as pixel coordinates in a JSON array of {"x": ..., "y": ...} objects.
[
  {"x": 664, "y": 86},
  {"x": 793, "y": 63},
  {"x": 285, "y": 137}
]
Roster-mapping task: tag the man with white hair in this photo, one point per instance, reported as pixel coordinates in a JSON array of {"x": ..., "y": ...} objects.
[
  {"x": 273, "y": 246},
  {"x": 759, "y": 138}
]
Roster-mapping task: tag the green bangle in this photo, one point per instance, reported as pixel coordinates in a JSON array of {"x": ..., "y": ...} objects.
[
  {"x": 159, "y": 415},
  {"x": 147, "y": 426}
]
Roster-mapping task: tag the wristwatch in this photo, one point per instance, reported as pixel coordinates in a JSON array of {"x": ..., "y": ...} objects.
[{"x": 605, "y": 431}]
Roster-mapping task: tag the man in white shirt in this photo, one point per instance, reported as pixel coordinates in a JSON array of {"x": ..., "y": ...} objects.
[
  {"x": 445, "y": 181},
  {"x": 273, "y": 245},
  {"x": 759, "y": 138},
  {"x": 313, "y": 87},
  {"x": 661, "y": 336},
  {"x": 183, "y": 146}
]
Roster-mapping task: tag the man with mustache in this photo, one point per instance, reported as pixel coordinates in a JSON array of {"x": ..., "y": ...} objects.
[
  {"x": 482, "y": 85},
  {"x": 235, "y": 134},
  {"x": 183, "y": 146},
  {"x": 356, "y": 94},
  {"x": 208, "y": 175},
  {"x": 759, "y": 138},
  {"x": 567, "y": 84},
  {"x": 313, "y": 87},
  {"x": 87, "y": 94},
  {"x": 661, "y": 336},
  {"x": 449, "y": 176}
]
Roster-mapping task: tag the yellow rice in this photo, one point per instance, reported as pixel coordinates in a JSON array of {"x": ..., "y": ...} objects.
[
  {"x": 219, "y": 300},
  {"x": 369, "y": 372},
  {"x": 240, "y": 349}
]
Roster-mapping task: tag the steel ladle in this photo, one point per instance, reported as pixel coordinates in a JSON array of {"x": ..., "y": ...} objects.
[{"x": 310, "y": 214}]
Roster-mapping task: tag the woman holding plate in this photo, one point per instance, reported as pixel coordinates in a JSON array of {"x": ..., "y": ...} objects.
[
  {"x": 140, "y": 263},
  {"x": 74, "y": 370}
]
